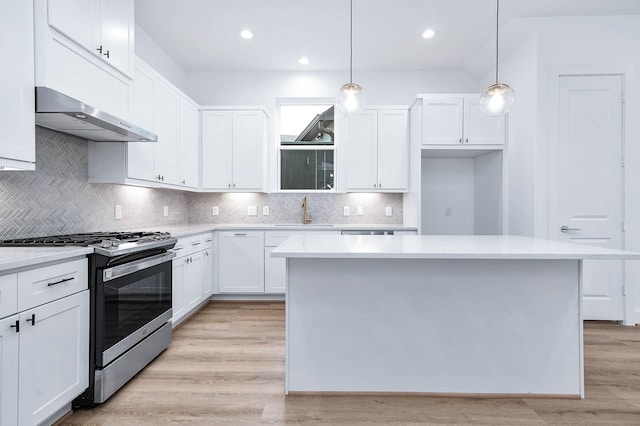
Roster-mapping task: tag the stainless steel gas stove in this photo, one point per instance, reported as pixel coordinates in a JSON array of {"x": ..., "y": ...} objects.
[{"x": 130, "y": 286}]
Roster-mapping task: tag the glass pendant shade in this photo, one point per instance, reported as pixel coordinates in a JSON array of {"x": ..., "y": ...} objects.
[
  {"x": 350, "y": 99},
  {"x": 497, "y": 99}
]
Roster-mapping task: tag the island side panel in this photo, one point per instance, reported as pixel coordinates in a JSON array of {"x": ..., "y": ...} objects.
[{"x": 436, "y": 326}]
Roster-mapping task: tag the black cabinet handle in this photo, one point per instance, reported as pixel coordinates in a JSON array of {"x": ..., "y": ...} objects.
[
  {"x": 106, "y": 54},
  {"x": 99, "y": 49},
  {"x": 64, "y": 280},
  {"x": 32, "y": 320},
  {"x": 17, "y": 326}
]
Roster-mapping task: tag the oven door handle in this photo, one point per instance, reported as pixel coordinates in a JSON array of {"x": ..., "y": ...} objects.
[{"x": 130, "y": 268}]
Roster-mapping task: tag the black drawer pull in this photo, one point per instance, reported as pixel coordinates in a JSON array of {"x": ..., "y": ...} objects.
[
  {"x": 32, "y": 319},
  {"x": 17, "y": 326},
  {"x": 64, "y": 280}
]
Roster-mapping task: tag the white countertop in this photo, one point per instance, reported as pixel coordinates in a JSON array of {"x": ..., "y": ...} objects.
[
  {"x": 21, "y": 257},
  {"x": 440, "y": 247}
]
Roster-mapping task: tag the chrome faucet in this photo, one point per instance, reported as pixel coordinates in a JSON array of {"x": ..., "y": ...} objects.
[{"x": 306, "y": 218}]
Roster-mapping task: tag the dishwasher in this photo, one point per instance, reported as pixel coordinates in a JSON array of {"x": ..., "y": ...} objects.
[{"x": 367, "y": 232}]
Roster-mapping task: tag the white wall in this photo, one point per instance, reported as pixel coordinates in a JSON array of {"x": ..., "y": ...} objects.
[
  {"x": 488, "y": 189},
  {"x": 154, "y": 55}
]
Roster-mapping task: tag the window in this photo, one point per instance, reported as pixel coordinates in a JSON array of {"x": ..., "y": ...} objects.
[{"x": 306, "y": 147}]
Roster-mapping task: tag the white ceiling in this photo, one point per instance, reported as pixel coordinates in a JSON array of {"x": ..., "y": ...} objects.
[{"x": 203, "y": 35}]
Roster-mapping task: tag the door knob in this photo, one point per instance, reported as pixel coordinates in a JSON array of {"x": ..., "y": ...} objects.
[{"x": 565, "y": 229}]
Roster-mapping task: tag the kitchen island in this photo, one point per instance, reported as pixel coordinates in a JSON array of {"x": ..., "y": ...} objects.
[{"x": 446, "y": 315}]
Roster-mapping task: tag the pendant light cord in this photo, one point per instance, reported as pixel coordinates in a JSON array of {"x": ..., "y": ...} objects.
[
  {"x": 497, "y": 36},
  {"x": 350, "y": 41}
]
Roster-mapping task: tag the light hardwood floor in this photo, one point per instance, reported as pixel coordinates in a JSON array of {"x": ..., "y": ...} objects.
[{"x": 226, "y": 367}]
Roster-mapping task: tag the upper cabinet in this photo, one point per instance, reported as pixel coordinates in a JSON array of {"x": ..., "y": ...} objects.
[
  {"x": 17, "y": 143},
  {"x": 233, "y": 148},
  {"x": 170, "y": 162},
  {"x": 85, "y": 49},
  {"x": 104, "y": 28},
  {"x": 378, "y": 150},
  {"x": 456, "y": 120}
]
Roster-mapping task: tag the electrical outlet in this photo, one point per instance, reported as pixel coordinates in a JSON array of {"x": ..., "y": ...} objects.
[
  {"x": 265, "y": 210},
  {"x": 252, "y": 211},
  {"x": 215, "y": 210},
  {"x": 359, "y": 211},
  {"x": 117, "y": 212},
  {"x": 166, "y": 211},
  {"x": 388, "y": 211},
  {"x": 448, "y": 211},
  {"x": 346, "y": 211}
]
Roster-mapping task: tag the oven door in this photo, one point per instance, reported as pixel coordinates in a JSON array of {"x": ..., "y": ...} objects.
[{"x": 133, "y": 299}]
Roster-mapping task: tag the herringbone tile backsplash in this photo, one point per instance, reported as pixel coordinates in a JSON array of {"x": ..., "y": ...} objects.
[{"x": 57, "y": 199}]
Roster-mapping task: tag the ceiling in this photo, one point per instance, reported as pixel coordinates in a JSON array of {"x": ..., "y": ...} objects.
[{"x": 203, "y": 35}]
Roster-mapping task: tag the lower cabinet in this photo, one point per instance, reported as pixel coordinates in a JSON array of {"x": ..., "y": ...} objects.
[
  {"x": 44, "y": 351},
  {"x": 241, "y": 261},
  {"x": 275, "y": 273},
  {"x": 192, "y": 279}
]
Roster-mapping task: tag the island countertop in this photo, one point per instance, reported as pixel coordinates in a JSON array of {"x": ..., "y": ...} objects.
[{"x": 440, "y": 247}]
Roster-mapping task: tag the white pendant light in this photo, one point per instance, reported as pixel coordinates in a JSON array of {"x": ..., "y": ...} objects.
[
  {"x": 497, "y": 98},
  {"x": 351, "y": 97}
]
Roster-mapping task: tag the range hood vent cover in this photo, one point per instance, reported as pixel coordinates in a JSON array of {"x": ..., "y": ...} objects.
[{"x": 57, "y": 111}]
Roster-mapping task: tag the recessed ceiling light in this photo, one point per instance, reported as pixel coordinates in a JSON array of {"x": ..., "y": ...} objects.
[
  {"x": 428, "y": 33},
  {"x": 303, "y": 60},
  {"x": 246, "y": 34}
]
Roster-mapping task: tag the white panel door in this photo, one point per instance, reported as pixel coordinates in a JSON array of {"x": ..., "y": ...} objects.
[
  {"x": 140, "y": 155},
  {"x": 166, "y": 126},
  {"x": 248, "y": 141},
  {"x": 54, "y": 356},
  {"x": 442, "y": 121},
  {"x": 207, "y": 272},
  {"x": 479, "y": 128},
  {"x": 77, "y": 19},
  {"x": 116, "y": 31},
  {"x": 9, "y": 371},
  {"x": 362, "y": 158},
  {"x": 589, "y": 184},
  {"x": 393, "y": 150},
  {"x": 217, "y": 149},
  {"x": 275, "y": 272},
  {"x": 189, "y": 159},
  {"x": 241, "y": 262},
  {"x": 193, "y": 284}
]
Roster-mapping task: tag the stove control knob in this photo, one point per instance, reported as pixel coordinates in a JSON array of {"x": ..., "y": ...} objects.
[
  {"x": 115, "y": 243},
  {"x": 105, "y": 244}
]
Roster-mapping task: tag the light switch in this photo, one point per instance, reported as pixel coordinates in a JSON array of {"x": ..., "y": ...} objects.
[
  {"x": 388, "y": 211},
  {"x": 346, "y": 211},
  {"x": 265, "y": 210},
  {"x": 215, "y": 210},
  {"x": 117, "y": 212},
  {"x": 359, "y": 211},
  {"x": 448, "y": 211},
  {"x": 252, "y": 211},
  {"x": 166, "y": 211}
]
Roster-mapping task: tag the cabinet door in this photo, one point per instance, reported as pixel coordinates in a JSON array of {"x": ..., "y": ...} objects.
[
  {"x": 275, "y": 272},
  {"x": 140, "y": 155},
  {"x": 207, "y": 272},
  {"x": 8, "y": 371},
  {"x": 54, "y": 356},
  {"x": 362, "y": 160},
  {"x": 77, "y": 19},
  {"x": 442, "y": 121},
  {"x": 193, "y": 284},
  {"x": 178, "y": 274},
  {"x": 479, "y": 128},
  {"x": 116, "y": 34},
  {"x": 217, "y": 140},
  {"x": 248, "y": 150},
  {"x": 393, "y": 150},
  {"x": 166, "y": 126},
  {"x": 189, "y": 160},
  {"x": 16, "y": 82},
  {"x": 241, "y": 262}
]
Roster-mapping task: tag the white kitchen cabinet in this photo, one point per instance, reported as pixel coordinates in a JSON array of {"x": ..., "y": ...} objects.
[
  {"x": 456, "y": 120},
  {"x": 192, "y": 275},
  {"x": 17, "y": 143},
  {"x": 378, "y": 150},
  {"x": 172, "y": 161},
  {"x": 241, "y": 262},
  {"x": 104, "y": 28},
  {"x": 275, "y": 272},
  {"x": 233, "y": 149},
  {"x": 44, "y": 342}
]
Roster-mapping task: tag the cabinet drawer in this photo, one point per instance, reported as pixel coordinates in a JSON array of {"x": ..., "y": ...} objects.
[
  {"x": 275, "y": 238},
  {"x": 8, "y": 295},
  {"x": 43, "y": 285},
  {"x": 189, "y": 245},
  {"x": 207, "y": 240}
]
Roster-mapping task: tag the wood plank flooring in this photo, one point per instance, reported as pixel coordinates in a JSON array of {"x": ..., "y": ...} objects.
[{"x": 226, "y": 367}]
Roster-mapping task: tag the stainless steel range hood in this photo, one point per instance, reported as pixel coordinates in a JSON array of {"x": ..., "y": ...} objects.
[{"x": 57, "y": 111}]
